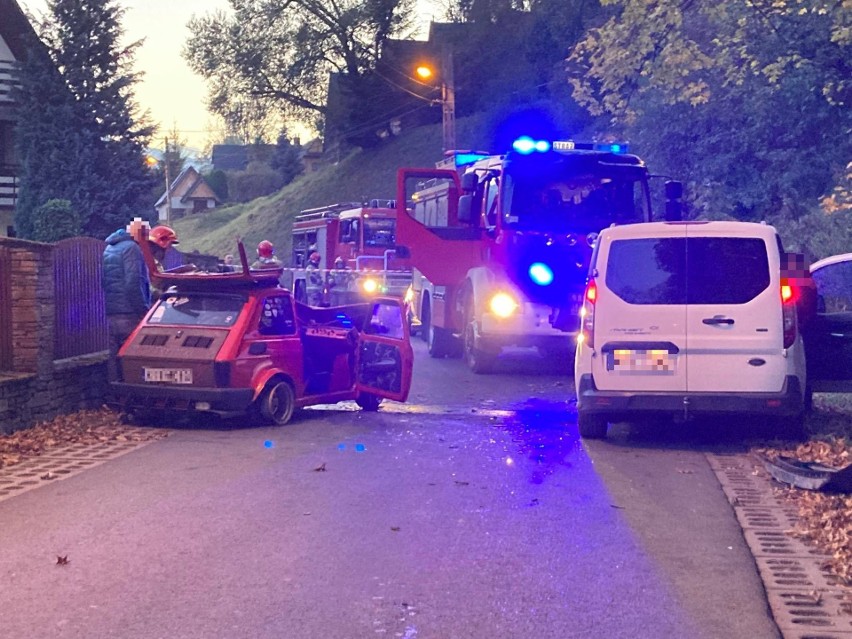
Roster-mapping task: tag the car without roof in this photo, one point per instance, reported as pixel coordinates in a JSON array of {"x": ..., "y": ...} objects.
[{"x": 230, "y": 343}]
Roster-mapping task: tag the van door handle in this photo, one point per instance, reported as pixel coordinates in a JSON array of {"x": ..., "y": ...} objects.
[{"x": 712, "y": 321}]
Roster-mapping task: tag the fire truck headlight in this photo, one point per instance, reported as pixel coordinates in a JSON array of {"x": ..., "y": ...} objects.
[
  {"x": 370, "y": 285},
  {"x": 541, "y": 274},
  {"x": 409, "y": 295},
  {"x": 503, "y": 305}
]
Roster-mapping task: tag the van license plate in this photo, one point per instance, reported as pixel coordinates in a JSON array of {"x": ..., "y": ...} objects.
[
  {"x": 636, "y": 361},
  {"x": 169, "y": 375}
]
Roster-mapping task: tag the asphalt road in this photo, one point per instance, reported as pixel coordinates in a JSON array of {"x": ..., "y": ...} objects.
[{"x": 473, "y": 511}]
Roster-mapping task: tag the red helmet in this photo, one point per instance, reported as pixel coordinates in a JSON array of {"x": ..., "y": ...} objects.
[
  {"x": 315, "y": 257},
  {"x": 265, "y": 249},
  {"x": 163, "y": 236}
]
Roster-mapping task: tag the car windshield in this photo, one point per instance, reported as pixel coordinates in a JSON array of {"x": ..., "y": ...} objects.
[
  {"x": 380, "y": 232},
  {"x": 195, "y": 309},
  {"x": 563, "y": 201}
]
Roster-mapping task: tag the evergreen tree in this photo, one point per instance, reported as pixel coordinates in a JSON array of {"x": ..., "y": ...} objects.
[
  {"x": 287, "y": 159},
  {"x": 78, "y": 137}
]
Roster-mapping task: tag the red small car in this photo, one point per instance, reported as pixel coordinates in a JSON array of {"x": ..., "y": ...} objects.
[{"x": 237, "y": 342}]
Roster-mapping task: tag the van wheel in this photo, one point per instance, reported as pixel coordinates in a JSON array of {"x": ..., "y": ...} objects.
[
  {"x": 592, "y": 425},
  {"x": 792, "y": 427},
  {"x": 278, "y": 402},
  {"x": 477, "y": 360},
  {"x": 425, "y": 319},
  {"x": 368, "y": 401}
]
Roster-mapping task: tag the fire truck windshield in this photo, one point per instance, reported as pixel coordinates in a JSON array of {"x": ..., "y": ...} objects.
[
  {"x": 380, "y": 232},
  {"x": 559, "y": 202}
]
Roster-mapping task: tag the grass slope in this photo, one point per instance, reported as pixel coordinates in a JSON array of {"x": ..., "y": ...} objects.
[{"x": 364, "y": 174}]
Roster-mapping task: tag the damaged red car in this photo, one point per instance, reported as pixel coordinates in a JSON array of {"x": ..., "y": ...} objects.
[{"x": 231, "y": 343}]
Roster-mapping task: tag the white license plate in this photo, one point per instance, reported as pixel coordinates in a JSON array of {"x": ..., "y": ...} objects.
[
  {"x": 169, "y": 375},
  {"x": 638, "y": 361}
]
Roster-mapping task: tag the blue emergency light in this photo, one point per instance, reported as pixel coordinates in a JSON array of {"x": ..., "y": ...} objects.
[
  {"x": 541, "y": 273},
  {"x": 526, "y": 145}
]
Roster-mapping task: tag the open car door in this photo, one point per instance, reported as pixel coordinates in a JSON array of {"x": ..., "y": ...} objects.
[
  {"x": 828, "y": 336},
  {"x": 385, "y": 358}
]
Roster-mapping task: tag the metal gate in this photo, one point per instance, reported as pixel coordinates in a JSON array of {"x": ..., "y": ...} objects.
[{"x": 80, "y": 319}]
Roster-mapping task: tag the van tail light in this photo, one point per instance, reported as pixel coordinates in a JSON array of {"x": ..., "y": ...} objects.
[
  {"x": 788, "y": 308},
  {"x": 587, "y": 314}
]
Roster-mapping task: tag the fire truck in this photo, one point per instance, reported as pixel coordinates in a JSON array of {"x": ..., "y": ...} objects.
[
  {"x": 501, "y": 244},
  {"x": 363, "y": 235}
]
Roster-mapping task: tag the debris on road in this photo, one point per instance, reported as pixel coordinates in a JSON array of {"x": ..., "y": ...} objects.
[
  {"x": 82, "y": 427},
  {"x": 62, "y": 560},
  {"x": 320, "y": 468}
]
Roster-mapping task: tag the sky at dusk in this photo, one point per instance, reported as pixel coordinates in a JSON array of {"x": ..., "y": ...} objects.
[{"x": 172, "y": 94}]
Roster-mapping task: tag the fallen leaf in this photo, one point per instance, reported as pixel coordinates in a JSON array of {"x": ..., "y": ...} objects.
[
  {"x": 395, "y": 528},
  {"x": 62, "y": 560},
  {"x": 462, "y": 483},
  {"x": 320, "y": 468}
]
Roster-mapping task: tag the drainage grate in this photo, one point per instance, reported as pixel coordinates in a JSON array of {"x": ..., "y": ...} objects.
[
  {"x": 60, "y": 463},
  {"x": 807, "y": 601}
]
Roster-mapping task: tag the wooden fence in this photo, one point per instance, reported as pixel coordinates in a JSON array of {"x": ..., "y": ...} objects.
[
  {"x": 5, "y": 309},
  {"x": 80, "y": 319}
]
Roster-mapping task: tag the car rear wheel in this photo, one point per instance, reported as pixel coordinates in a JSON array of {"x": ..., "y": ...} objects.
[
  {"x": 368, "y": 401},
  {"x": 278, "y": 402},
  {"x": 592, "y": 425}
]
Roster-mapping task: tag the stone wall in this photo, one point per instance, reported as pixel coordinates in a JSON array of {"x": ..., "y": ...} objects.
[{"x": 38, "y": 388}]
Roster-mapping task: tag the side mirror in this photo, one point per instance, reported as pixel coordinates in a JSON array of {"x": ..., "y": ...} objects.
[
  {"x": 465, "y": 212},
  {"x": 402, "y": 252},
  {"x": 674, "y": 202},
  {"x": 469, "y": 182}
]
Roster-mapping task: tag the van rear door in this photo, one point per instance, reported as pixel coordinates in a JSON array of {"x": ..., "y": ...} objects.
[
  {"x": 734, "y": 315},
  {"x": 640, "y": 313},
  {"x": 828, "y": 337}
]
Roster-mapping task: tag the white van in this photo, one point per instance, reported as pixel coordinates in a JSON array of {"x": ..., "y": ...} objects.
[{"x": 684, "y": 318}]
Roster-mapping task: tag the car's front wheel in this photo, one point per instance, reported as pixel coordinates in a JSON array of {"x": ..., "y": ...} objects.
[
  {"x": 592, "y": 425},
  {"x": 278, "y": 402}
]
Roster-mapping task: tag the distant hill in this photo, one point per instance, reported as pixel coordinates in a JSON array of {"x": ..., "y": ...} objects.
[{"x": 363, "y": 175}]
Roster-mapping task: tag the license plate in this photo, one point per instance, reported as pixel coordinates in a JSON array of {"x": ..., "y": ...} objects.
[
  {"x": 169, "y": 375},
  {"x": 638, "y": 361}
]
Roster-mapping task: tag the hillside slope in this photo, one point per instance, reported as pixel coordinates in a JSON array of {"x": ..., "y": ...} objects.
[{"x": 362, "y": 175}]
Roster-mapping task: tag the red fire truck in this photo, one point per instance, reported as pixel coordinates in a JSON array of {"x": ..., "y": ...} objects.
[
  {"x": 501, "y": 244},
  {"x": 364, "y": 237}
]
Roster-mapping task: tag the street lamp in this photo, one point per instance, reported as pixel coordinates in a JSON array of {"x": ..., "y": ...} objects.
[{"x": 448, "y": 95}]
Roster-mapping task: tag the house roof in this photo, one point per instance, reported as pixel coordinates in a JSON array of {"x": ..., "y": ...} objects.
[
  {"x": 189, "y": 185},
  {"x": 16, "y": 30}
]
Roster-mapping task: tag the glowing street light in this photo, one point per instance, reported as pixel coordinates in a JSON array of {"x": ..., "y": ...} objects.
[{"x": 448, "y": 95}]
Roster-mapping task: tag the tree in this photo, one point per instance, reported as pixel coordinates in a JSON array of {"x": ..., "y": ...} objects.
[
  {"x": 55, "y": 220},
  {"x": 749, "y": 102},
  {"x": 85, "y": 144},
  {"x": 272, "y": 58},
  {"x": 287, "y": 159}
]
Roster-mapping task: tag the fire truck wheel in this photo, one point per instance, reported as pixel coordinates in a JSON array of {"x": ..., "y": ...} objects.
[
  {"x": 440, "y": 342},
  {"x": 425, "y": 319},
  {"x": 277, "y": 402},
  {"x": 477, "y": 360},
  {"x": 368, "y": 401}
]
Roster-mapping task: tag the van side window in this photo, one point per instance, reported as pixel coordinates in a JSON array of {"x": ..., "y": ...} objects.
[{"x": 276, "y": 316}]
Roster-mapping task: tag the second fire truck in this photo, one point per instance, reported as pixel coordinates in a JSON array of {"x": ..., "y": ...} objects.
[
  {"x": 359, "y": 236},
  {"x": 501, "y": 244}
]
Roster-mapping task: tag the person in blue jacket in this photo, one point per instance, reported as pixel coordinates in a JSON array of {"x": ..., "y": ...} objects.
[{"x": 127, "y": 291}]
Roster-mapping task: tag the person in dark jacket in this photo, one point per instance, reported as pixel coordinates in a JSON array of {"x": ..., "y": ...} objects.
[{"x": 127, "y": 291}]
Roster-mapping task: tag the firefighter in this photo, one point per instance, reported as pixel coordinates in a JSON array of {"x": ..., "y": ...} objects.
[
  {"x": 265, "y": 257},
  {"x": 160, "y": 239},
  {"x": 338, "y": 283},
  {"x": 315, "y": 284}
]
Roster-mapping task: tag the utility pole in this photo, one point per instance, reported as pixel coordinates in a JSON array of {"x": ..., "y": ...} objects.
[
  {"x": 448, "y": 98},
  {"x": 168, "y": 185}
]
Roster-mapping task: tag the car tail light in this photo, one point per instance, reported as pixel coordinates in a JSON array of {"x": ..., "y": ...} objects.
[
  {"x": 587, "y": 314},
  {"x": 222, "y": 374},
  {"x": 788, "y": 312}
]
